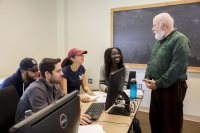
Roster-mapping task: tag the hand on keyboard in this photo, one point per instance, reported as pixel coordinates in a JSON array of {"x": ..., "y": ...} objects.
[
  {"x": 95, "y": 110},
  {"x": 85, "y": 119},
  {"x": 84, "y": 98}
]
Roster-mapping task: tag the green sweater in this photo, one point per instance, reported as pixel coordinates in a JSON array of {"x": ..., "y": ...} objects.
[{"x": 169, "y": 60}]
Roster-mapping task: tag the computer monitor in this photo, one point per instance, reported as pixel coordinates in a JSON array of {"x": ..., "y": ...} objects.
[
  {"x": 132, "y": 75},
  {"x": 63, "y": 116},
  {"x": 115, "y": 88}
]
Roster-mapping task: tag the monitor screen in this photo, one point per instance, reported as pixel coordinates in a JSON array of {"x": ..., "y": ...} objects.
[
  {"x": 115, "y": 88},
  {"x": 63, "y": 116}
]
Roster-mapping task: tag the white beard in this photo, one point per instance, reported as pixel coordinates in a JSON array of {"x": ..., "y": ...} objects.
[{"x": 160, "y": 35}]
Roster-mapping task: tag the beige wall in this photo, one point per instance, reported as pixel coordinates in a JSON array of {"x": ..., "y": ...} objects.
[{"x": 29, "y": 28}]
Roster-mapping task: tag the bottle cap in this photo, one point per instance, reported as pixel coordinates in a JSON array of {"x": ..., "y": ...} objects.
[{"x": 133, "y": 80}]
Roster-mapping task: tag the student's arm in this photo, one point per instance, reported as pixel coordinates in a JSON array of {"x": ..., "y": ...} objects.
[
  {"x": 84, "y": 98},
  {"x": 37, "y": 98},
  {"x": 6, "y": 82},
  {"x": 63, "y": 85},
  {"x": 85, "y": 85},
  {"x": 102, "y": 80},
  {"x": 85, "y": 119},
  {"x": 60, "y": 91},
  {"x": 126, "y": 76}
]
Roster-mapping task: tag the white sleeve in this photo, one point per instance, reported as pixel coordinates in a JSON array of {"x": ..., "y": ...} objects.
[
  {"x": 102, "y": 79},
  {"x": 126, "y": 76}
]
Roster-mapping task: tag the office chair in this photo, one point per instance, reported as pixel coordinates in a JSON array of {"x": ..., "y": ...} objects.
[{"x": 9, "y": 99}]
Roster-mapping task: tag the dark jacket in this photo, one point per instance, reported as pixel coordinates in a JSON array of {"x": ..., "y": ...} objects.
[
  {"x": 37, "y": 96},
  {"x": 15, "y": 80}
]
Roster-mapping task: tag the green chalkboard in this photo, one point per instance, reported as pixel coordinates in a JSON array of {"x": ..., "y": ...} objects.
[{"x": 132, "y": 29}]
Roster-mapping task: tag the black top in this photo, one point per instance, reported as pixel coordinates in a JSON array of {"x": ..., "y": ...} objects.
[{"x": 74, "y": 79}]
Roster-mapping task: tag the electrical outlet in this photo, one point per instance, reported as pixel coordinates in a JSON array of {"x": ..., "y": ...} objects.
[{"x": 90, "y": 81}]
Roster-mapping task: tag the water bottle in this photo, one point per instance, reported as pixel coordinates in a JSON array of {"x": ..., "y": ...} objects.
[{"x": 133, "y": 88}]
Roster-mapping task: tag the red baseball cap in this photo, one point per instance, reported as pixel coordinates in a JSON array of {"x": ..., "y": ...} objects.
[{"x": 75, "y": 52}]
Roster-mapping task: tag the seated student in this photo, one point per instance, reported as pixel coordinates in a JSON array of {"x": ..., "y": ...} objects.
[
  {"x": 25, "y": 74},
  {"x": 44, "y": 91},
  {"x": 74, "y": 73},
  {"x": 113, "y": 61}
]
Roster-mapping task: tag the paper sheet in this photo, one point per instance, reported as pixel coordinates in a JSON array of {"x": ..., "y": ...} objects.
[
  {"x": 98, "y": 96},
  {"x": 96, "y": 128}
]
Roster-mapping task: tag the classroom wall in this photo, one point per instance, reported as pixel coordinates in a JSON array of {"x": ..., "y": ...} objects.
[
  {"x": 88, "y": 27},
  {"x": 30, "y": 28}
]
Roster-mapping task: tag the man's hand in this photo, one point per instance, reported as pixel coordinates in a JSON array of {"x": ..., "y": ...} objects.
[
  {"x": 90, "y": 93},
  {"x": 84, "y": 98},
  {"x": 85, "y": 119},
  {"x": 151, "y": 84}
]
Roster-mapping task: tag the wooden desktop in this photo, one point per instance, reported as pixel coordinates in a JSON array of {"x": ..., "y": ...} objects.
[{"x": 114, "y": 123}]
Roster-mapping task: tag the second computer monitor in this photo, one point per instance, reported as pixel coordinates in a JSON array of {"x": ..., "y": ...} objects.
[{"x": 115, "y": 88}]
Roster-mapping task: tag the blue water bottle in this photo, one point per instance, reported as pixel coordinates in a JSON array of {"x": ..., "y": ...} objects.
[{"x": 133, "y": 88}]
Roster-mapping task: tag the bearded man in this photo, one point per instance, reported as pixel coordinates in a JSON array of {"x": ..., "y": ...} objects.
[
  {"x": 25, "y": 74},
  {"x": 45, "y": 90},
  {"x": 166, "y": 76}
]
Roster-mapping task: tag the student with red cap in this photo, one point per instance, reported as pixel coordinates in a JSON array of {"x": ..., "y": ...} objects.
[{"x": 74, "y": 73}]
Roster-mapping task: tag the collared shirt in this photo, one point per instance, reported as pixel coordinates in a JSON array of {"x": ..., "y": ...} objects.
[
  {"x": 37, "y": 96},
  {"x": 169, "y": 60}
]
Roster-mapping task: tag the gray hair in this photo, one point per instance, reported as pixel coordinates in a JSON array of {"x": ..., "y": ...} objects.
[{"x": 165, "y": 18}]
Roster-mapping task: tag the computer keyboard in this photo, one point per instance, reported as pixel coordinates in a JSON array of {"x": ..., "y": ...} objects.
[{"x": 95, "y": 110}]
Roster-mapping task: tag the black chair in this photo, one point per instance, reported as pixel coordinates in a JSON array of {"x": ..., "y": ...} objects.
[{"x": 9, "y": 99}]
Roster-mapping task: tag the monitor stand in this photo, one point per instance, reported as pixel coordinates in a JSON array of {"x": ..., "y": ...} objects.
[{"x": 118, "y": 110}]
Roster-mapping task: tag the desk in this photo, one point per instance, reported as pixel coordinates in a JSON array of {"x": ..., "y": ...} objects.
[{"x": 113, "y": 123}]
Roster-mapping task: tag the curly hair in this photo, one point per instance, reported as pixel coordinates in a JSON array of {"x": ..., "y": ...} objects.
[{"x": 108, "y": 61}]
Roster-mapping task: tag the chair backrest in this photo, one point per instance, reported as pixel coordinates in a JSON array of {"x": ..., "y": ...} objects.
[{"x": 9, "y": 99}]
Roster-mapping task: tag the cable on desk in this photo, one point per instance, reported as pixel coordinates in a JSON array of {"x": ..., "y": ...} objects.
[
  {"x": 135, "y": 101},
  {"x": 135, "y": 104}
]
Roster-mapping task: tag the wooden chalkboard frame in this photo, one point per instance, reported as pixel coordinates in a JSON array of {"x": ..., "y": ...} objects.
[{"x": 113, "y": 10}]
